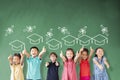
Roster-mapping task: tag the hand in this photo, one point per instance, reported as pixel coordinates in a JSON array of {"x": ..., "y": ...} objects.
[
  {"x": 81, "y": 50},
  {"x": 61, "y": 54},
  {"x": 47, "y": 63},
  {"x": 10, "y": 57},
  {"x": 56, "y": 63},
  {"x": 100, "y": 67},
  {"x": 24, "y": 51},
  {"x": 91, "y": 50},
  {"x": 108, "y": 66},
  {"x": 43, "y": 50}
]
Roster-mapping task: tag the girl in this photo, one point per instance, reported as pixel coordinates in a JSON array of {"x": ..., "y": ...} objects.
[
  {"x": 100, "y": 61},
  {"x": 34, "y": 62},
  {"x": 84, "y": 63},
  {"x": 16, "y": 66},
  {"x": 53, "y": 66},
  {"x": 69, "y": 61}
]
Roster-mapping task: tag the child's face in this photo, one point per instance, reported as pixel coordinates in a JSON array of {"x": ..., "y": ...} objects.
[
  {"x": 84, "y": 55},
  {"x": 100, "y": 53},
  {"x": 34, "y": 52},
  {"x": 53, "y": 58},
  {"x": 16, "y": 60},
  {"x": 69, "y": 54}
]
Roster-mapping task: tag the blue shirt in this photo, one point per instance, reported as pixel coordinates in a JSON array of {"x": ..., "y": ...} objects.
[{"x": 33, "y": 70}]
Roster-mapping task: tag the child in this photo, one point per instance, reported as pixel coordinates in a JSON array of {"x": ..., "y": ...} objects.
[
  {"x": 34, "y": 62},
  {"x": 84, "y": 63},
  {"x": 16, "y": 65},
  {"x": 100, "y": 61},
  {"x": 69, "y": 71},
  {"x": 53, "y": 66}
]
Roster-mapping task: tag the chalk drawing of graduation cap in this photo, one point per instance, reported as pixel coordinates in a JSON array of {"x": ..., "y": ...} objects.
[
  {"x": 69, "y": 40},
  {"x": 17, "y": 45},
  {"x": 99, "y": 40},
  {"x": 84, "y": 40},
  {"x": 35, "y": 38},
  {"x": 54, "y": 44}
]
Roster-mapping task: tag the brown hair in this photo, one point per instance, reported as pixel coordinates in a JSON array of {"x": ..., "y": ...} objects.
[
  {"x": 72, "y": 52},
  {"x": 18, "y": 55},
  {"x": 53, "y": 53}
]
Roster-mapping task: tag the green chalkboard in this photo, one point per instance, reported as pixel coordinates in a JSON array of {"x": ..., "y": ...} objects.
[{"x": 58, "y": 25}]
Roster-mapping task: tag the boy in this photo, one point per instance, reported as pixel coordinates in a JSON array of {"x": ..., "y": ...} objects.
[
  {"x": 34, "y": 62},
  {"x": 52, "y": 66}
]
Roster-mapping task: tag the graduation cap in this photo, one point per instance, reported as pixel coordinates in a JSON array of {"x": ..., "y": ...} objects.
[
  {"x": 35, "y": 38},
  {"x": 54, "y": 44},
  {"x": 100, "y": 40},
  {"x": 84, "y": 40},
  {"x": 69, "y": 40},
  {"x": 17, "y": 45}
]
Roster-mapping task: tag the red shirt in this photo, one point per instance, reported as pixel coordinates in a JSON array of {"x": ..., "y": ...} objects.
[{"x": 84, "y": 68}]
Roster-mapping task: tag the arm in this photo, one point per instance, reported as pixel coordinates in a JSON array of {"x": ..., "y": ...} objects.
[
  {"x": 91, "y": 53},
  {"x": 10, "y": 59},
  {"x": 76, "y": 57},
  {"x": 106, "y": 63},
  {"x": 80, "y": 52},
  {"x": 22, "y": 59},
  {"x": 99, "y": 66},
  {"x": 62, "y": 57},
  {"x": 26, "y": 53},
  {"x": 42, "y": 52}
]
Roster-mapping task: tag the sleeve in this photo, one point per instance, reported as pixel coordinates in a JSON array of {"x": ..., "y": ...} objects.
[
  {"x": 11, "y": 66},
  {"x": 104, "y": 58},
  {"x": 94, "y": 59},
  {"x": 28, "y": 59},
  {"x": 40, "y": 59},
  {"x": 22, "y": 65}
]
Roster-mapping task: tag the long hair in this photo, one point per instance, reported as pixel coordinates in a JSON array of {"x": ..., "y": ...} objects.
[
  {"x": 96, "y": 51},
  {"x": 72, "y": 52}
]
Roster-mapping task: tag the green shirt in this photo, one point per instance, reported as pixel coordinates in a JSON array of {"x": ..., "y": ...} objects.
[{"x": 33, "y": 70}]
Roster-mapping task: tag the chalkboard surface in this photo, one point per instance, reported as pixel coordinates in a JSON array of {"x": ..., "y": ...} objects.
[{"x": 58, "y": 25}]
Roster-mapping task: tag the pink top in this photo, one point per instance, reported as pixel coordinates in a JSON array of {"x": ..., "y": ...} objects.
[{"x": 69, "y": 72}]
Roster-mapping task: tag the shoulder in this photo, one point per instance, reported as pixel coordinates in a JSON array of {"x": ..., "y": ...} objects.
[
  {"x": 11, "y": 65},
  {"x": 20, "y": 65},
  {"x": 38, "y": 59},
  {"x": 28, "y": 58},
  {"x": 65, "y": 62},
  {"x": 50, "y": 63},
  {"x": 95, "y": 58},
  {"x": 104, "y": 58},
  {"x": 81, "y": 61}
]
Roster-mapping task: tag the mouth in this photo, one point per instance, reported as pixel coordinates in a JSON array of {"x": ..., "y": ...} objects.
[
  {"x": 69, "y": 57},
  {"x": 33, "y": 54}
]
